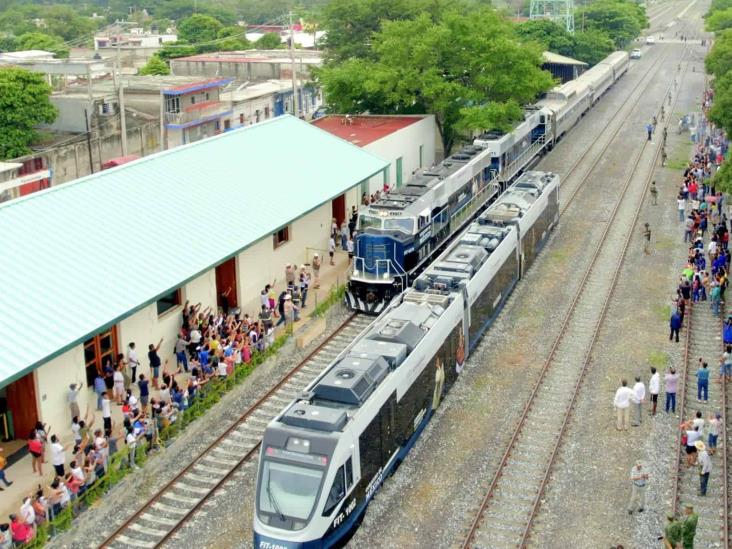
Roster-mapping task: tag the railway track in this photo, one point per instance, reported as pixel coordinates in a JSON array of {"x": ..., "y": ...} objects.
[
  {"x": 513, "y": 498},
  {"x": 622, "y": 114},
  {"x": 702, "y": 339},
  {"x": 179, "y": 499}
]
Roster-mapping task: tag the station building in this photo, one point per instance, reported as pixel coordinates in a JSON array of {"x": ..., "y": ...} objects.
[
  {"x": 406, "y": 142},
  {"x": 94, "y": 264}
]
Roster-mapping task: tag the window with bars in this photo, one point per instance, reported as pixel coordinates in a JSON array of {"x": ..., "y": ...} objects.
[
  {"x": 282, "y": 236},
  {"x": 169, "y": 301}
]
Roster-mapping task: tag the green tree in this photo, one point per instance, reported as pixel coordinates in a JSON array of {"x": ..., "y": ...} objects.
[
  {"x": 24, "y": 103},
  {"x": 198, "y": 29},
  {"x": 171, "y": 50},
  {"x": 466, "y": 68},
  {"x": 65, "y": 21},
  {"x": 719, "y": 60},
  {"x": 592, "y": 46},
  {"x": 548, "y": 34},
  {"x": 269, "y": 41},
  {"x": 40, "y": 41},
  {"x": 155, "y": 67},
  {"x": 232, "y": 38},
  {"x": 721, "y": 111},
  {"x": 722, "y": 179},
  {"x": 622, "y": 20},
  {"x": 350, "y": 24},
  {"x": 719, "y": 20},
  {"x": 8, "y": 42}
]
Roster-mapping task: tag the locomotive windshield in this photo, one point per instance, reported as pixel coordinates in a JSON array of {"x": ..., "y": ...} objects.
[
  {"x": 288, "y": 491},
  {"x": 368, "y": 222},
  {"x": 400, "y": 224}
]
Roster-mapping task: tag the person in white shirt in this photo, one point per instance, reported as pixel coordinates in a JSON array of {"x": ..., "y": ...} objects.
[
  {"x": 654, "y": 387},
  {"x": 638, "y": 481},
  {"x": 705, "y": 466},
  {"x": 681, "y": 203},
  {"x": 132, "y": 360},
  {"x": 27, "y": 513},
  {"x": 131, "y": 440},
  {"x": 714, "y": 424},
  {"x": 622, "y": 405},
  {"x": 58, "y": 455},
  {"x": 639, "y": 396}
]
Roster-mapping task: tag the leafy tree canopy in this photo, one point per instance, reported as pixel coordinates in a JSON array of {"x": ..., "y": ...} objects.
[
  {"x": 232, "y": 38},
  {"x": 719, "y": 20},
  {"x": 468, "y": 69},
  {"x": 171, "y": 50},
  {"x": 350, "y": 24},
  {"x": 548, "y": 34},
  {"x": 719, "y": 60},
  {"x": 622, "y": 20},
  {"x": 269, "y": 41},
  {"x": 40, "y": 41},
  {"x": 24, "y": 103},
  {"x": 155, "y": 67},
  {"x": 199, "y": 28},
  {"x": 592, "y": 46}
]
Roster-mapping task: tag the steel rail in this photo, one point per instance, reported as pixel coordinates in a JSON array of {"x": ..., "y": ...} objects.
[
  {"x": 247, "y": 456},
  {"x": 476, "y": 523}
]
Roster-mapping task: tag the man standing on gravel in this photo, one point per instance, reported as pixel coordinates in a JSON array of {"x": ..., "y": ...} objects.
[
  {"x": 705, "y": 466},
  {"x": 622, "y": 405},
  {"x": 688, "y": 529},
  {"x": 639, "y": 396},
  {"x": 671, "y": 380},
  {"x": 675, "y": 325},
  {"x": 638, "y": 480},
  {"x": 654, "y": 387},
  {"x": 647, "y": 239}
]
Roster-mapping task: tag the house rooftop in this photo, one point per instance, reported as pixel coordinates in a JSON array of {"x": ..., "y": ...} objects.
[{"x": 364, "y": 129}]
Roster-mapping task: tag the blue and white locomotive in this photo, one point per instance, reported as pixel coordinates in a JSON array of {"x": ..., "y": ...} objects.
[
  {"x": 398, "y": 235},
  {"x": 328, "y": 452}
]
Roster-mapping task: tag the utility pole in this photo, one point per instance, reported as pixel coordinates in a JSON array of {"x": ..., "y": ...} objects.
[
  {"x": 123, "y": 119},
  {"x": 294, "y": 68},
  {"x": 88, "y": 141}
]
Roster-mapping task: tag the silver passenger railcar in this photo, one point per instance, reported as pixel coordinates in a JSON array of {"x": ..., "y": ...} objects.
[{"x": 327, "y": 453}]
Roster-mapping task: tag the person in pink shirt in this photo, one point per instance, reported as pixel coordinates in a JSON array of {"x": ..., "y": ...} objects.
[{"x": 671, "y": 384}]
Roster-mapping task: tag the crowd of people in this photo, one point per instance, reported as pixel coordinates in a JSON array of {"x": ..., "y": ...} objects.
[
  {"x": 702, "y": 283},
  {"x": 209, "y": 345}
]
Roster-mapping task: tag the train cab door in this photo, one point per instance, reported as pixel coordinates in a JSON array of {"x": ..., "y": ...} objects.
[{"x": 389, "y": 441}]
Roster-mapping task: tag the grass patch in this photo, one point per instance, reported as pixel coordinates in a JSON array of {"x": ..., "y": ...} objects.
[
  {"x": 658, "y": 359},
  {"x": 665, "y": 244},
  {"x": 662, "y": 311}
]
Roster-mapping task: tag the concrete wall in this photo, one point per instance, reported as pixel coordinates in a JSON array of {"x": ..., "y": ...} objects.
[
  {"x": 71, "y": 161},
  {"x": 52, "y": 382},
  {"x": 249, "y": 108},
  {"x": 404, "y": 143},
  {"x": 145, "y": 326}
]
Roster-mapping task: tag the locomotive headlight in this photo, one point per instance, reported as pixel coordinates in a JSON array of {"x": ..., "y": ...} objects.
[
  {"x": 385, "y": 276},
  {"x": 356, "y": 272}
]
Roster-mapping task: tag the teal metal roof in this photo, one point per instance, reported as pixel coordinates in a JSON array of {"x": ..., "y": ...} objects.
[{"x": 83, "y": 255}]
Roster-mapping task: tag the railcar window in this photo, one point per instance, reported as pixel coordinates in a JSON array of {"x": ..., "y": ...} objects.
[
  {"x": 337, "y": 492},
  {"x": 349, "y": 473},
  {"x": 404, "y": 225},
  {"x": 368, "y": 222},
  {"x": 289, "y": 490}
]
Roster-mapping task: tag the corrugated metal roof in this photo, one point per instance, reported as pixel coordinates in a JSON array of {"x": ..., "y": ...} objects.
[{"x": 81, "y": 256}]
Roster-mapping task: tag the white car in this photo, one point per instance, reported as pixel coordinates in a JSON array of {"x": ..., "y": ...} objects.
[
  {"x": 650, "y": 41},
  {"x": 635, "y": 54}
]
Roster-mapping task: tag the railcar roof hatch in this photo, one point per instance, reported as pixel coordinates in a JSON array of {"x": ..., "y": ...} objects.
[
  {"x": 352, "y": 380},
  {"x": 319, "y": 418},
  {"x": 393, "y": 353},
  {"x": 399, "y": 330}
]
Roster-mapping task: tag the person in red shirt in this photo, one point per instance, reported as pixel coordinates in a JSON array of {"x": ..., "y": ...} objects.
[
  {"x": 35, "y": 447},
  {"x": 22, "y": 533}
]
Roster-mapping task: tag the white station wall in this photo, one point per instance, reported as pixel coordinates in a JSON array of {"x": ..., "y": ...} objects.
[{"x": 404, "y": 143}]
